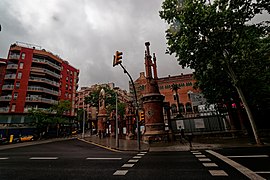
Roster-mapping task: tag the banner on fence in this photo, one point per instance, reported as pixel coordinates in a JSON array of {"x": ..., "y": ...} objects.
[
  {"x": 180, "y": 123},
  {"x": 199, "y": 123}
]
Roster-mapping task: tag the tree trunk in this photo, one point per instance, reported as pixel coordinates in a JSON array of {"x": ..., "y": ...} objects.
[{"x": 250, "y": 116}]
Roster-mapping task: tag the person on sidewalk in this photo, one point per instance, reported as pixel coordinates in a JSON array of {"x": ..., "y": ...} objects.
[{"x": 182, "y": 135}]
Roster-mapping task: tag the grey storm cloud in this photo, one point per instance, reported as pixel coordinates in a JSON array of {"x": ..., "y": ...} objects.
[{"x": 87, "y": 33}]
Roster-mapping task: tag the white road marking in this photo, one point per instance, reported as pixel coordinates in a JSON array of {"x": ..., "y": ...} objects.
[
  {"x": 247, "y": 172},
  {"x": 210, "y": 164},
  {"x": 103, "y": 158},
  {"x": 218, "y": 173},
  {"x": 43, "y": 158},
  {"x": 140, "y": 154},
  {"x": 196, "y": 153},
  {"x": 4, "y": 158},
  {"x": 248, "y": 156},
  {"x": 200, "y": 156},
  {"x": 133, "y": 160},
  {"x": 128, "y": 165},
  {"x": 137, "y": 157},
  {"x": 120, "y": 172},
  {"x": 204, "y": 159},
  {"x": 262, "y": 172},
  {"x": 143, "y": 152}
]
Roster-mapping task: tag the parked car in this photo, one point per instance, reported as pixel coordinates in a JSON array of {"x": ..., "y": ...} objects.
[{"x": 26, "y": 138}]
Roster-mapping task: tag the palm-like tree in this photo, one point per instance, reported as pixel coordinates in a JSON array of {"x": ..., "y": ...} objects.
[{"x": 175, "y": 88}]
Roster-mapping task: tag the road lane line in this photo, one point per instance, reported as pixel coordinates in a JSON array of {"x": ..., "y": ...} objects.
[
  {"x": 262, "y": 172},
  {"x": 120, "y": 172},
  {"x": 128, "y": 165},
  {"x": 103, "y": 158},
  {"x": 43, "y": 158},
  {"x": 4, "y": 158},
  {"x": 218, "y": 173},
  {"x": 200, "y": 156},
  {"x": 247, "y": 172},
  {"x": 204, "y": 159},
  {"x": 248, "y": 156},
  {"x": 143, "y": 152},
  {"x": 140, "y": 154},
  {"x": 105, "y": 147},
  {"x": 137, "y": 157},
  {"x": 133, "y": 160},
  {"x": 210, "y": 164}
]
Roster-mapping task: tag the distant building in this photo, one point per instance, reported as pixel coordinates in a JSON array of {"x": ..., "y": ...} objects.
[
  {"x": 34, "y": 78},
  {"x": 185, "y": 92},
  {"x": 91, "y": 111}
]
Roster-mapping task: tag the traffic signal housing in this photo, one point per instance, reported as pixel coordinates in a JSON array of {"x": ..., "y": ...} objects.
[
  {"x": 142, "y": 116},
  {"x": 117, "y": 58}
]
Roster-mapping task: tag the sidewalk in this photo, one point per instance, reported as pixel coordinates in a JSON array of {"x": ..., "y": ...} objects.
[{"x": 198, "y": 144}]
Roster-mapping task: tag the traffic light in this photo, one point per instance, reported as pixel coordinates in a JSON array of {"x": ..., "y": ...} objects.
[
  {"x": 142, "y": 116},
  {"x": 117, "y": 58}
]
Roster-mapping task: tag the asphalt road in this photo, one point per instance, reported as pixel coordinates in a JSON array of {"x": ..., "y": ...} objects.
[{"x": 74, "y": 159}]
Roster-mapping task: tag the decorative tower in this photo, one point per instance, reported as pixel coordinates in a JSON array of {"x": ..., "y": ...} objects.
[
  {"x": 102, "y": 114},
  {"x": 152, "y": 101}
]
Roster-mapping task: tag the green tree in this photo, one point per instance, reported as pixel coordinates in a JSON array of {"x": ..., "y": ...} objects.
[{"x": 218, "y": 40}]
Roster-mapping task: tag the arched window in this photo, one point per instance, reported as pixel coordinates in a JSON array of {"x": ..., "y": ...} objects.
[
  {"x": 174, "y": 109},
  {"x": 188, "y": 107},
  {"x": 182, "y": 108}
]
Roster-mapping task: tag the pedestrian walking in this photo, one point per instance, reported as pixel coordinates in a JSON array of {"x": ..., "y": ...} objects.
[{"x": 182, "y": 135}]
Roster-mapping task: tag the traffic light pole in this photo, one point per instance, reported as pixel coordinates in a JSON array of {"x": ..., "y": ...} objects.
[{"x": 136, "y": 107}]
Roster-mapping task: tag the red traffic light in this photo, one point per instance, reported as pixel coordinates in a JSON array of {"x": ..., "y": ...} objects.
[{"x": 117, "y": 58}]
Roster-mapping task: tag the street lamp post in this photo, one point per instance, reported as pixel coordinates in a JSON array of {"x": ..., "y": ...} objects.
[{"x": 83, "y": 121}]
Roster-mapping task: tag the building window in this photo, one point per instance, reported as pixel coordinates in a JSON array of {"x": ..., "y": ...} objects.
[
  {"x": 66, "y": 79},
  {"x": 21, "y": 65},
  {"x": 19, "y": 75},
  {"x": 15, "y": 96},
  {"x": 188, "y": 107},
  {"x": 174, "y": 108},
  {"x": 17, "y": 85},
  {"x": 13, "y": 107},
  {"x": 23, "y": 56},
  {"x": 182, "y": 108}
]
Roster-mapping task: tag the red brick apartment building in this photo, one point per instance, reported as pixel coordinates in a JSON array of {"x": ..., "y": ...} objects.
[{"x": 34, "y": 78}]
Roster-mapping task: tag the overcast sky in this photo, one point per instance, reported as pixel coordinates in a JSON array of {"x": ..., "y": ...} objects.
[{"x": 88, "y": 32}]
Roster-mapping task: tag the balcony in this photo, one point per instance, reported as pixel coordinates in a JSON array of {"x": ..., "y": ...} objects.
[
  {"x": 7, "y": 87},
  {"x": 12, "y": 66},
  {"x": 42, "y": 70},
  {"x": 4, "y": 109},
  {"x": 41, "y": 89},
  {"x": 37, "y": 60},
  {"x": 5, "y": 98},
  {"x": 44, "y": 80},
  {"x": 14, "y": 56},
  {"x": 41, "y": 99},
  {"x": 10, "y": 76}
]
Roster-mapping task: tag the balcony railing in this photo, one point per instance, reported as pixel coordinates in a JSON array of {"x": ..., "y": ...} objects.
[
  {"x": 40, "y": 99},
  {"x": 7, "y": 87},
  {"x": 38, "y": 88},
  {"x": 45, "y": 71},
  {"x": 12, "y": 66},
  {"x": 5, "y": 98},
  {"x": 4, "y": 109},
  {"x": 47, "y": 62},
  {"x": 10, "y": 76},
  {"x": 45, "y": 80},
  {"x": 14, "y": 56}
]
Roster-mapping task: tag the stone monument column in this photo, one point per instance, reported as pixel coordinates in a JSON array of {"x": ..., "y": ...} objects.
[
  {"x": 102, "y": 114},
  {"x": 152, "y": 102}
]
